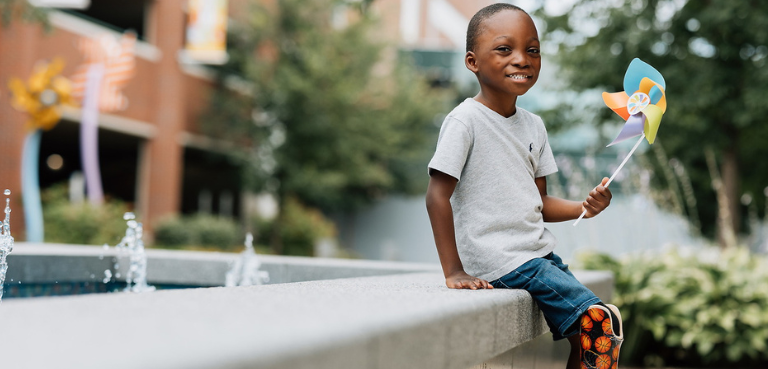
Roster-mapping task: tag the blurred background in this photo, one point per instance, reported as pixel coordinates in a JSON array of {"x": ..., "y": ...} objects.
[{"x": 310, "y": 124}]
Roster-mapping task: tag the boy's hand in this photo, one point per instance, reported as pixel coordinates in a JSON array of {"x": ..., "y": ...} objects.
[
  {"x": 599, "y": 199},
  {"x": 462, "y": 280}
]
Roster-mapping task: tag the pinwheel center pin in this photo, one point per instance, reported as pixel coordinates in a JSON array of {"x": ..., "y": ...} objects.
[{"x": 637, "y": 102}]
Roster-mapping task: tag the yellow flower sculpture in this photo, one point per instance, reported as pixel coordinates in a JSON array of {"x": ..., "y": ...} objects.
[{"x": 43, "y": 95}]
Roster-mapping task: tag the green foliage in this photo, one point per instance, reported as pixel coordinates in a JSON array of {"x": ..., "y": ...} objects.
[
  {"x": 691, "y": 306},
  {"x": 173, "y": 232},
  {"x": 199, "y": 231},
  {"x": 333, "y": 119},
  {"x": 82, "y": 223},
  {"x": 713, "y": 56},
  {"x": 222, "y": 233},
  {"x": 301, "y": 228},
  {"x": 21, "y": 9}
]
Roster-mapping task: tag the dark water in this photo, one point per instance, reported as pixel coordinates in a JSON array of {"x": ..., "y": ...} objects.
[{"x": 14, "y": 290}]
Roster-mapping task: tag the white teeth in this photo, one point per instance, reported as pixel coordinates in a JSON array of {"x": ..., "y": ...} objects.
[{"x": 518, "y": 76}]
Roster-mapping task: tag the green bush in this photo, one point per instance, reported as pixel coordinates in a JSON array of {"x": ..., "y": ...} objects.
[
  {"x": 217, "y": 232},
  {"x": 65, "y": 222},
  {"x": 300, "y": 228},
  {"x": 173, "y": 232},
  {"x": 701, "y": 307},
  {"x": 199, "y": 231}
]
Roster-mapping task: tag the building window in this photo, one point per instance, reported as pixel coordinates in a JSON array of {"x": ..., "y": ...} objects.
[{"x": 117, "y": 15}]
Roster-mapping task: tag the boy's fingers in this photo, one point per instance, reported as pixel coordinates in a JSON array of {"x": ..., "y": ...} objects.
[
  {"x": 599, "y": 195},
  {"x": 598, "y": 191},
  {"x": 472, "y": 284},
  {"x": 590, "y": 208},
  {"x": 603, "y": 191},
  {"x": 479, "y": 284}
]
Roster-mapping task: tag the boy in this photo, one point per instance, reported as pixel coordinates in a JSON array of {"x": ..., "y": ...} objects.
[{"x": 487, "y": 196}]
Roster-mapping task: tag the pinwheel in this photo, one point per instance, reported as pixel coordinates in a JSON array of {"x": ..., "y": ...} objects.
[
  {"x": 43, "y": 95},
  {"x": 41, "y": 98},
  {"x": 642, "y": 110}
]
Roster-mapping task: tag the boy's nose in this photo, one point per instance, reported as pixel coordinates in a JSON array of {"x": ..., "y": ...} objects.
[{"x": 519, "y": 60}]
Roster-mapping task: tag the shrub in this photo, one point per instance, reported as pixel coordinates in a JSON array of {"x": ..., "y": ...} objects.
[
  {"x": 691, "y": 306},
  {"x": 173, "y": 233},
  {"x": 218, "y": 232},
  {"x": 300, "y": 229},
  {"x": 82, "y": 223},
  {"x": 199, "y": 231}
]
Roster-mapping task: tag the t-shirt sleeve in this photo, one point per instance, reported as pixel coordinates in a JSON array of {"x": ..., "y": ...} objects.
[
  {"x": 547, "y": 164},
  {"x": 453, "y": 146}
]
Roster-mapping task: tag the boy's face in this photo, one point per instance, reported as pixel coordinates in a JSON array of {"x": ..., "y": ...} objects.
[{"x": 506, "y": 57}]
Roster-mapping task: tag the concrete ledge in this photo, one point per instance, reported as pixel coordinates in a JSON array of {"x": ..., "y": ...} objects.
[{"x": 397, "y": 321}]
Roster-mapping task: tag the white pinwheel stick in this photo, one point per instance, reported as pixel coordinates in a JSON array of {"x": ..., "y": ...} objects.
[{"x": 615, "y": 173}]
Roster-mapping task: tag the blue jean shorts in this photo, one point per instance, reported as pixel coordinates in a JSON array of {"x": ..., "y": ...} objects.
[{"x": 559, "y": 295}]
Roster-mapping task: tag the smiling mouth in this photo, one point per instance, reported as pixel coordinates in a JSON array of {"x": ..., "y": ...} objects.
[{"x": 519, "y": 77}]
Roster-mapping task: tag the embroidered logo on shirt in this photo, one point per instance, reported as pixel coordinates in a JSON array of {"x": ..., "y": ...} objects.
[{"x": 530, "y": 147}]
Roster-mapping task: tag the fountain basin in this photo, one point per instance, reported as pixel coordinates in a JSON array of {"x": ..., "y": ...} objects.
[{"x": 60, "y": 264}]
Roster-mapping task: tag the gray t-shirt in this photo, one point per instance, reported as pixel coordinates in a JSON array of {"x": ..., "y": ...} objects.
[{"x": 496, "y": 204}]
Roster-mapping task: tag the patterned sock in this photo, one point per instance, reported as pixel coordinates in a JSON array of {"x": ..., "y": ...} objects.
[{"x": 614, "y": 319}]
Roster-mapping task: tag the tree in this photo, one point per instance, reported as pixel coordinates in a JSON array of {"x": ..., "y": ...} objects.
[
  {"x": 713, "y": 56},
  {"x": 334, "y": 118},
  {"x": 21, "y": 9}
]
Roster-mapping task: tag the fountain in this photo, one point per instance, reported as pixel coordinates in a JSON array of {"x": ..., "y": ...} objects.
[
  {"x": 6, "y": 241},
  {"x": 245, "y": 270},
  {"x": 133, "y": 245}
]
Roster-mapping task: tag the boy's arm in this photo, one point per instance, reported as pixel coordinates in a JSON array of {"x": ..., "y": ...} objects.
[
  {"x": 557, "y": 210},
  {"x": 439, "y": 193}
]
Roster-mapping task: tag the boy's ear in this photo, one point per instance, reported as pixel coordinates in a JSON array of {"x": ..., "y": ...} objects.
[{"x": 471, "y": 61}]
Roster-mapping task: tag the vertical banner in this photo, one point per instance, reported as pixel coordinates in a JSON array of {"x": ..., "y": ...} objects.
[
  {"x": 206, "y": 40},
  {"x": 30, "y": 186},
  {"x": 108, "y": 66},
  {"x": 89, "y": 134}
]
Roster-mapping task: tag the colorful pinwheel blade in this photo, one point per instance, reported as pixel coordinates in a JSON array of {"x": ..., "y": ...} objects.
[
  {"x": 632, "y": 128},
  {"x": 655, "y": 92},
  {"x": 653, "y": 113},
  {"x": 662, "y": 104},
  {"x": 638, "y": 70},
  {"x": 617, "y": 101}
]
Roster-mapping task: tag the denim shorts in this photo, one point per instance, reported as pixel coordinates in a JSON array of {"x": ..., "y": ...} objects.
[{"x": 559, "y": 295}]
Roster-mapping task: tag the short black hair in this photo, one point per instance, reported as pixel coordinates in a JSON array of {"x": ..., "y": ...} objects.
[{"x": 477, "y": 20}]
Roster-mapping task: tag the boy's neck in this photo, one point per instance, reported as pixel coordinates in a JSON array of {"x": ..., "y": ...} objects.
[{"x": 506, "y": 106}]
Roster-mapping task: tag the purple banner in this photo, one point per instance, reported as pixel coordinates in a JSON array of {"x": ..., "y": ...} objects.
[{"x": 89, "y": 135}]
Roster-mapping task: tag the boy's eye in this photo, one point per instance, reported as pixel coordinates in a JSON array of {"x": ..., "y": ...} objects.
[
  {"x": 503, "y": 48},
  {"x": 534, "y": 50}
]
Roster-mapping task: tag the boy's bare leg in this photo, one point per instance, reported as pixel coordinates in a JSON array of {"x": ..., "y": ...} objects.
[{"x": 574, "y": 358}]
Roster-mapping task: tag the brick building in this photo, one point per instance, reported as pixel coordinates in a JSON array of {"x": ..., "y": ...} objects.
[{"x": 152, "y": 154}]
